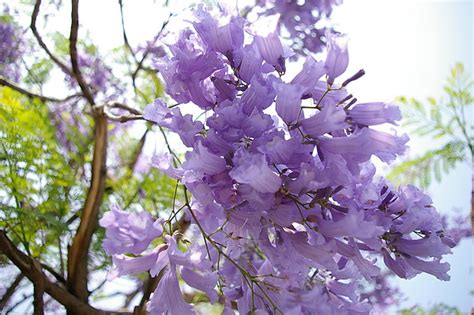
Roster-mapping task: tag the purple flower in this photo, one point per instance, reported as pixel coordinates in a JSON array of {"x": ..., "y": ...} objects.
[
  {"x": 309, "y": 76},
  {"x": 368, "y": 114},
  {"x": 98, "y": 75},
  {"x": 329, "y": 119},
  {"x": 164, "y": 163},
  {"x": 300, "y": 182},
  {"x": 352, "y": 252},
  {"x": 202, "y": 281},
  {"x": 260, "y": 94},
  {"x": 202, "y": 160},
  {"x": 413, "y": 211},
  {"x": 431, "y": 246},
  {"x": 128, "y": 232},
  {"x": 288, "y": 101},
  {"x": 412, "y": 214},
  {"x": 305, "y": 21},
  {"x": 187, "y": 129},
  {"x": 11, "y": 48},
  {"x": 159, "y": 113},
  {"x": 434, "y": 267},
  {"x": 364, "y": 143},
  {"x": 271, "y": 50},
  {"x": 224, "y": 38},
  {"x": 248, "y": 62},
  {"x": 338, "y": 57},
  {"x": 351, "y": 224},
  {"x": 167, "y": 298},
  {"x": 125, "y": 265},
  {"x": 186, "y": 71},
  {"x": 253, "y": 169}
]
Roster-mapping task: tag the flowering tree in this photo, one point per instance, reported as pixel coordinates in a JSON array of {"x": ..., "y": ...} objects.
[{"x": 274, "y": 208}]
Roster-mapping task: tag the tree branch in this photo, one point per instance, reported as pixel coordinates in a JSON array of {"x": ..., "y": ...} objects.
[
  {"x": 147, "y": 51},
  {"x": 148, "y": 287},
  {"x": 38, "y": 288},
  {"x": 58, "y": 62},
  {"x": 29, "y": 268},
  {"x": 73, "y": 52},
  {"x": 23, "y": 299},
  {"x": 7, "y": 83},
  {"x": 138, "y": 151},
  {"x": 134, "y": 113},
  {"x": 55, "y": 274},
  {"x": 79, "y": 250},
  {"x": 124, "y": 33},
  {"x": 131, "y": 110},
  {"x": 10, "y": 291},
  {"x": 123, "y": 119}
]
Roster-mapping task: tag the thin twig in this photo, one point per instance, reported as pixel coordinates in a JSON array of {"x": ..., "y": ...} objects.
[
  {"x": 22, "y": 300},
  {"x": 29, "y": 268},
  {"x": 135, "y": 114},
  {"x": 56, "y": 275},
  {"x": 147, "y": 51},
  {"x": 138, "y": 151},
  {"x": 56, "y": 60},
  {"x": 250, "y": 279},
  {"x": 7, "y": 83},
  {"x": 149, "y": 286},
  {"x": 123, "y": 119},
  {"x": 131, "y": 110},
  {"x": 11, "y": 290},
  {"x": 73, "y": 52},
  {"x": 124, "y": 33}
]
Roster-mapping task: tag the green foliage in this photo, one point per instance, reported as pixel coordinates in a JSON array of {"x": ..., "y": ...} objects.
[
  {"x": 44, "y": 186},
  {"x": 438, "y": 309},
  {"x": 152, "y": 191},
  {"x": 432, "y": 164},
  {"x": 6, "y": 18},
  {"x": 39, "y": 72},
  {"x": 61, "y": 43},
  {"x": 35, "y": 177},
  {"x": 445, "y": 121}
]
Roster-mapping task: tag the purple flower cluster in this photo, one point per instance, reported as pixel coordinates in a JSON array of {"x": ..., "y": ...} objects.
[
  {"x": 98, "y": 75},
  {"x": 383, "y": 293},
  {"x": 457, "y": 227},
  {"x": 11, "y": 43},
  {"x": 304, "y": 21},
  {"x": 285, "y": 197}
]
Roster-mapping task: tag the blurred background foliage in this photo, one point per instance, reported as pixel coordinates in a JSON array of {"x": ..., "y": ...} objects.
[{"x": 446, "y": 121}]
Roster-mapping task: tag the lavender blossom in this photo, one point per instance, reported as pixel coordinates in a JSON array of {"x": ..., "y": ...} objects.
[
  {"x": 300, "y": 182},
  {"x": 11, "y": 48},
  {"x": 128, "y": 232},
  {"x": 338, "y": 57},
  {"x": 369, "y": 114},
  {"x": 98, "y": 76}
]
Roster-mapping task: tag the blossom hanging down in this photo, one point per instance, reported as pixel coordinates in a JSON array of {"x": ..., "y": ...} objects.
[{"x": 284, "y": 197}]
